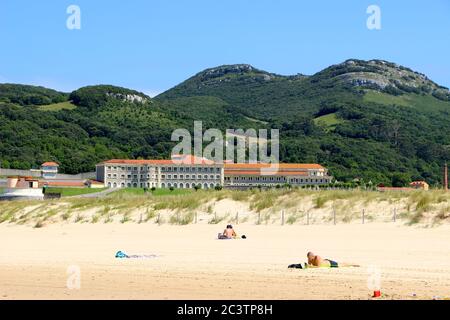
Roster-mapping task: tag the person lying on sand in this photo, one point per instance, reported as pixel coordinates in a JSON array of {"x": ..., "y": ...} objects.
[{"x": 315, "y": 261}]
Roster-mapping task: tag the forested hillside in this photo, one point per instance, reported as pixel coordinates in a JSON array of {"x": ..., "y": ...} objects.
[{"x": 372, "y": 120}]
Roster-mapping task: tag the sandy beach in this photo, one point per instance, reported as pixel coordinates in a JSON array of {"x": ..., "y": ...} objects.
[{"x": 191, "y": 264}]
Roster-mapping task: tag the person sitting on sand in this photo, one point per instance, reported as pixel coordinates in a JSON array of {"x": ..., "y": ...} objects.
[
  {"x": 315, "y": 261},
  {"x": 229, "y": 232}
]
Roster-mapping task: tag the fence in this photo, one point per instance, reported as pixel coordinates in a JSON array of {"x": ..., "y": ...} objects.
[{"x": 284, "y": 218}]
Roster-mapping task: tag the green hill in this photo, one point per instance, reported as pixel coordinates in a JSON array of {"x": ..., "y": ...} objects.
[{"x": 373, "y": 120}]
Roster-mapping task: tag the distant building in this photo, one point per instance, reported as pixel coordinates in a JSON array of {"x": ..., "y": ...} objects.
[
  {"x": 420, "y": 185},
  {"x": 49, "y": 170},
  {"x": 181, "y": 172},
  {"x": 95, "y": 184},
  {"x": 244, "y": 175},
  {"x": 188, "y": 171},
  {"x": 22, "y": 188}
]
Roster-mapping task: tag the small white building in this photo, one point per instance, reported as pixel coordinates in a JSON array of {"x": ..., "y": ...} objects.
[
  {"x": 22, "y": 188},
  {"x": 49, "y": 170}
]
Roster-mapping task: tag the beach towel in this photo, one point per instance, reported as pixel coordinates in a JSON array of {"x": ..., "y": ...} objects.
[{"x": 122, "y": 255}]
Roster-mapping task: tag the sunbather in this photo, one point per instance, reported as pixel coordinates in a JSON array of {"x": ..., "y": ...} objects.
[
  {"x": 315, "y": 261},
  {"x": 229, "y": 232}
]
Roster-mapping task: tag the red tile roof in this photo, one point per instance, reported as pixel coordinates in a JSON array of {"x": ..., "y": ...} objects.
[
  {"x": 304, "y": 166},
  {"x": 259, "y": 173},
  {"x": 63, "y": 183},
  {"x": 176, "y": 160},
  {"x": 50, "y": 164}
]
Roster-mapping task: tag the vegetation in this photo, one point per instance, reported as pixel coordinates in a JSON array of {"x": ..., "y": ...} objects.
[
  {"x": 68, "y": 192},
  {"x": 58, "y": 106},
  {"x": 341, "y": 117},
  {"x": 264, "y": 207}
]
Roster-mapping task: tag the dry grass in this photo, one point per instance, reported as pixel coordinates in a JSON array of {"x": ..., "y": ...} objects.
[{"x": 264, "y": 207}]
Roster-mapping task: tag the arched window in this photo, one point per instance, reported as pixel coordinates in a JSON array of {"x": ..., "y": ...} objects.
[
  {"x": 135, "y": 185},
  {"x": 109, "y": 184},
  {"x": 175, "y": 185},
  {"x": 163, "y": 185},
  {"x": 115, "y": 185},
  {"x": 205, "y": 186},
  {"x": 129, "y": 185},
  {"x": 181, "y": 186}
]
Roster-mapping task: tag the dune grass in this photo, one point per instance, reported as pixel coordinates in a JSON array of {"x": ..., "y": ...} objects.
[{"x": 264, "y": 206}]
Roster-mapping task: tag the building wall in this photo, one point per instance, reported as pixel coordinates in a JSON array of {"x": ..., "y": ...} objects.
[
  {"x": 160, "y": 176},
  {"x": 268, "y": 181},
  {"x": 204, "y": 175}
]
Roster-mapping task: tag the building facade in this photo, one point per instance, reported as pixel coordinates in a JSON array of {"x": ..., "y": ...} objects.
[
  {"x": 183, "y": 172},
  {"x": 49, "y": 170},
  {"x": 186, "y": 172},
  {"x": 21, "y": 188},
  {"x": 262, "y": 175}
]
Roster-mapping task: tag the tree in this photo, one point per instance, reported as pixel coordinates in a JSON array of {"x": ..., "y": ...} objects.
[{"x": 400, "y": 180}]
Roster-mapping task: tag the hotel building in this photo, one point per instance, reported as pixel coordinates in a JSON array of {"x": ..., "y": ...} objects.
[
  {"x": 180, "y": 172},
  {"x": 260, "y": 175},
  {"x": 188, "y": 171}
]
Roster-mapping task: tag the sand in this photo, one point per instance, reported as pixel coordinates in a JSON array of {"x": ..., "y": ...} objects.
[{"x": 192, "y": 264}]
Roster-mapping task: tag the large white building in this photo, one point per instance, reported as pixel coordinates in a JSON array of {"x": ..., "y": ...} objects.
[
  {"x": 180, "y": 172},
  {"x": 188, "y": 171},
  {"x": 247, "y": 175}
]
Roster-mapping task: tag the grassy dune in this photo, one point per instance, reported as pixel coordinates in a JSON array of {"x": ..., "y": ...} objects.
[{"x": 252, "y": 206}]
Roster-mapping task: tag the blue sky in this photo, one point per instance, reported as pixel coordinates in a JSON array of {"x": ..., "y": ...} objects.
[{"x": 155, "y": 44}]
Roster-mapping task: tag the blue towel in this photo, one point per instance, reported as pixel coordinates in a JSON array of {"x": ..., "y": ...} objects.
[{"x": 121, "y": 255}]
